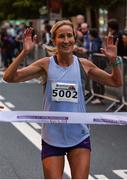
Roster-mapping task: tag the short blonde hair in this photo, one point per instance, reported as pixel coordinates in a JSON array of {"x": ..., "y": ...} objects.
[{"x": 57, "y": 25}]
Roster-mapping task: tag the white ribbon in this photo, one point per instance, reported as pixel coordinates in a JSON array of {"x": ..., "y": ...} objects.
[{"x": 119, "y": 118}]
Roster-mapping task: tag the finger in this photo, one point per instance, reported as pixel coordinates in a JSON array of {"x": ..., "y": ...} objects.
[
  {"x": 117, "y": 41},
  {"x": 105, "y": 42},
  {"x": 28, "y": 32},
  {"x": 103, "y": 51},
  {"x": 24, "y": 34},
  {"x": 109, "y": 40},
  {"x": 35, "y": 38},
  {"x": 109, "y": 33}
]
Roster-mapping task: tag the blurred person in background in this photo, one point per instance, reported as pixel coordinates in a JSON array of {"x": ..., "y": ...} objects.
[
  {"x": 83, "y": 37},
  {"x": 124, "y": 38},
  {"x": 19, "y": 37},
  {"x": 7, "y": 47},
  {"x": 95, "y": 41},
  {"x": 79, "y": 46},
  {"x": 46, "y": 35},
  {"x": 79, "y": 20},
  {"x": 86, "y": 38},
  {"x": 95, "y": 47},
  {"x": 113, "y": 29},
  {"x": 11, "y": 31}
]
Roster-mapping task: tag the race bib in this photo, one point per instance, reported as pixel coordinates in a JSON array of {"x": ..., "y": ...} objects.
[{"x": 64, "y": 92}]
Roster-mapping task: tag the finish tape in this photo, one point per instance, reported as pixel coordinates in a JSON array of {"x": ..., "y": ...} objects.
[{"x": 118, "y": 118}]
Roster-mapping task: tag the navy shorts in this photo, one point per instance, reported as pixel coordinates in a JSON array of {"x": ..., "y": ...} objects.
[{"x": 48, "y": 150}]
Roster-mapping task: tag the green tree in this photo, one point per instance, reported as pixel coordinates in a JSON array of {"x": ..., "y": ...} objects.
[
  {"x": 73, "y": 7},
  {"x": 16, "y": 9},
  {"x": 29, "y": 9}
]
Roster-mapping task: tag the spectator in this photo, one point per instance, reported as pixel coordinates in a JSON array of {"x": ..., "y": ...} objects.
[
  {"x": 7, "y": 48},
  {"x": 86, "y": 35},
  {"x": 95, "y": 41},
  {"x": 46, "y": 35},
  {"x": 84, "y": 38},
  {"x": 96, "y": 45},
  {"x": 113, "y": 29},
  {"x": 79, "y": 20},
  {"x": 11, "y": 31},
  {"x": 79, "y": 49},
  {"x": 124, "y": 38},
  {"x": 19, "y": 37}
]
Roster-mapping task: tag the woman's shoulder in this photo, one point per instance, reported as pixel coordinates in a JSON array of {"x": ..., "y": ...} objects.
[
  {"x": 43, "y": 63},
  {"x": 44, "y": 60},
  {"x": 85, "y": 61},
  {"x": 87, "y": 64}
]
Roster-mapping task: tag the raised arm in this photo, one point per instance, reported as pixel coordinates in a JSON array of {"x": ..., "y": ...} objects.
[
  {"x": 36, "y": 69},
  {"x": 115, "y": 78}
]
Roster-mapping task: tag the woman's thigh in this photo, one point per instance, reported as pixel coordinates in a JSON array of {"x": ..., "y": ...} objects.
[
  {"x": 53, "y": 167},
  {"x": 79, "y": 160},
  {"x": 52, "y": 161}
]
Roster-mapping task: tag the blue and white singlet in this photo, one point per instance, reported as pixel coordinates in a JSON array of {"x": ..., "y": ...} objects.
[{"x": 64, "y": 93}]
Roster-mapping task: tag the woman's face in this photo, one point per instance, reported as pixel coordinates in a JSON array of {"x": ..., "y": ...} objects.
[{"x": 64, "y": 39}]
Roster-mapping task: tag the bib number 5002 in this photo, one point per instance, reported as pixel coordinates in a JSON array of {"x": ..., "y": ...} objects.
[{"x": 62, "y": 93}]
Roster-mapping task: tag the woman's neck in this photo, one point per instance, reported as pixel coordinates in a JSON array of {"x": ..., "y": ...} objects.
[{"x": 64, "y": 61}]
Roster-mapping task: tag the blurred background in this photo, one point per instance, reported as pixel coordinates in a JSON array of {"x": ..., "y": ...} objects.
[{"x": 96, "y": 13}]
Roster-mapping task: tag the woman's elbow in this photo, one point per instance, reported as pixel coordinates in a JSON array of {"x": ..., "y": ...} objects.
[
  {"x": 118, "y": 83},
  {"x": 7, "y": 78}
]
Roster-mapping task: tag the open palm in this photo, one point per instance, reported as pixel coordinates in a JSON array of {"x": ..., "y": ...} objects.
[
  {"x": 110, "y": 50},
  {"x": 28, "y": 41}
]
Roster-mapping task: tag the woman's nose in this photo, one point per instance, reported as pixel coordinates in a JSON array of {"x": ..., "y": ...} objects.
[{"x": 66, "y": 39}]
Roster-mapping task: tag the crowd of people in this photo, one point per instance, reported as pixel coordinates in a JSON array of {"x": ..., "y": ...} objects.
[
  {"x": 91, "y": 40},
  {"x": 88, "y": 42},
  {"x": 11, "y": 42}
]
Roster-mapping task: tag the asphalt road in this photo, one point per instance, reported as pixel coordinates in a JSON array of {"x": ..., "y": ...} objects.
[{"x": 20, "y": 154}]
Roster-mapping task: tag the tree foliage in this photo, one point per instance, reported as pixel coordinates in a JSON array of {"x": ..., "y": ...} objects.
[
  {"x": 74, "y": 7},
  {"x": 29, "y": 9},
  {"x": 16, "y": 9}
]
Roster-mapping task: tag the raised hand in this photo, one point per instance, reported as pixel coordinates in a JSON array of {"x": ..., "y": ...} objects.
[
  {"x": 110, "y": 49},
  {"x": 29, "y": 41}
]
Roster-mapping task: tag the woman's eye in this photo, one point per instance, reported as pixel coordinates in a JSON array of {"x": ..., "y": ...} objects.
[
  {"x": 69, "y": 35},
  {"x": 61, "y": 36}
]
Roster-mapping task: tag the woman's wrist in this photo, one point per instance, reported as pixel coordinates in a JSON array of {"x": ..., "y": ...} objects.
[
  {"x": 25, "y": 52},
  {"x": 117, "y": 62}
]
